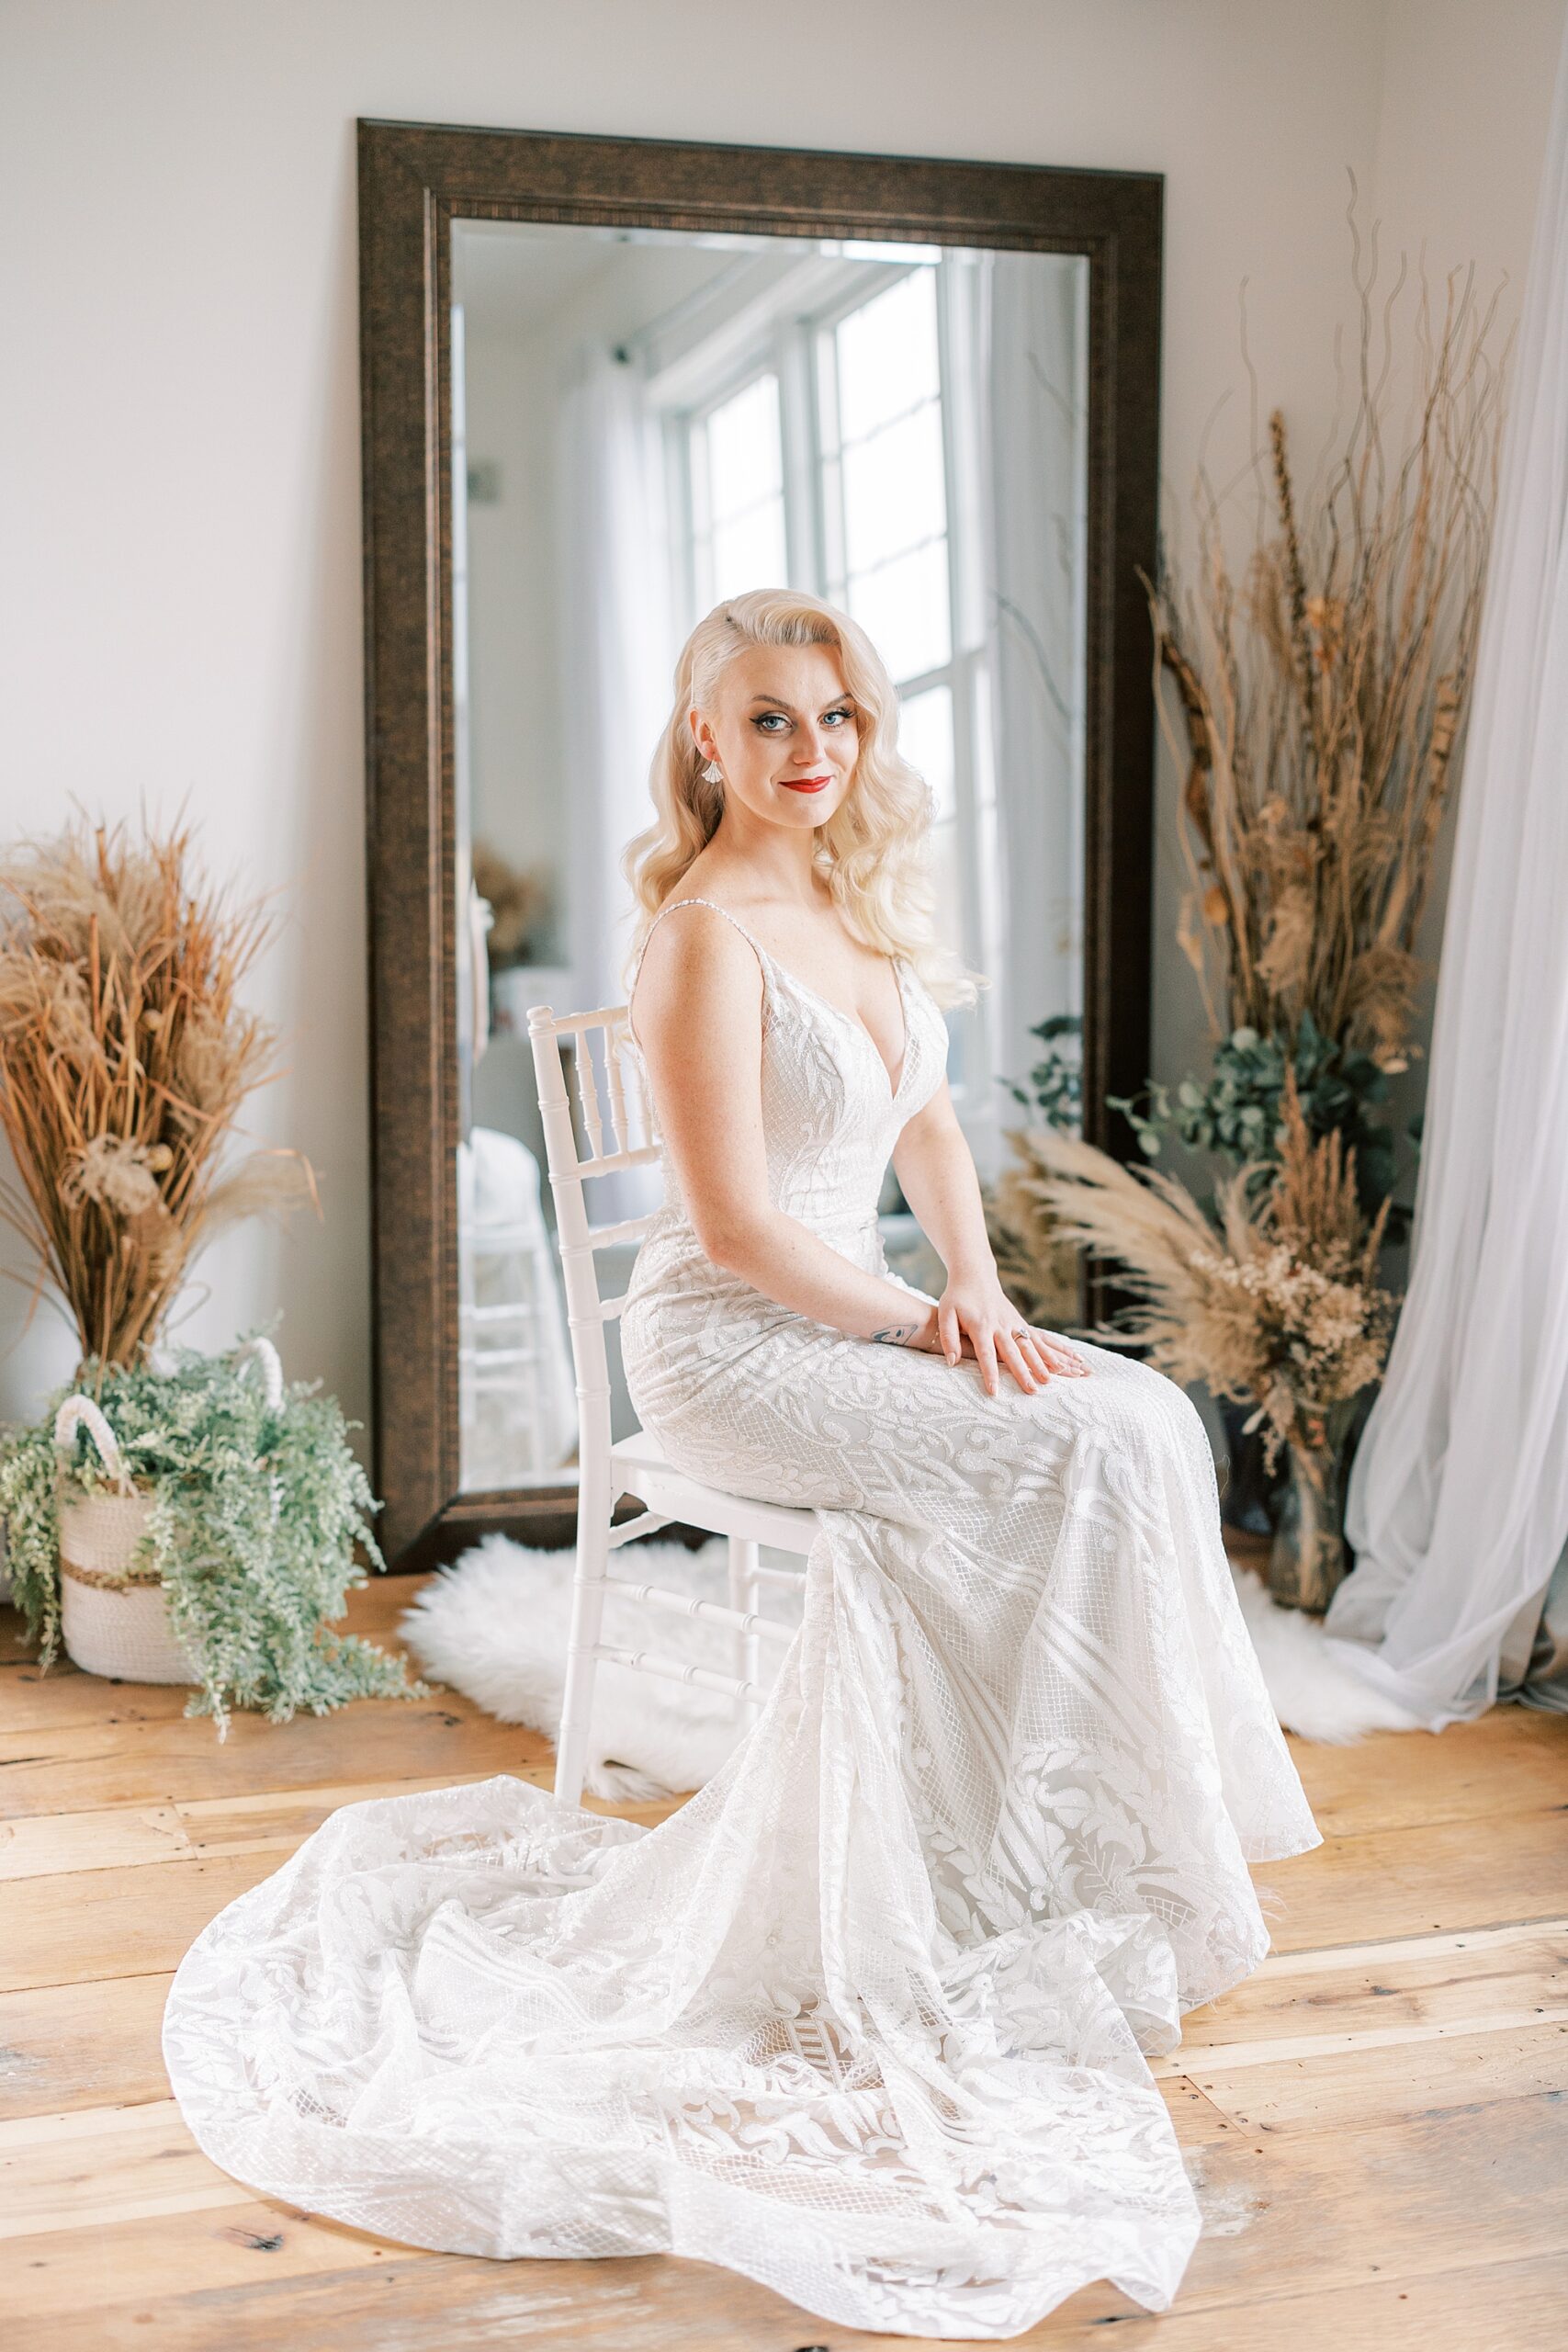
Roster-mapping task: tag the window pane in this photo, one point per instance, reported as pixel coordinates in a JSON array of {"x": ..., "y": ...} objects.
[
  {"x": 745, "y": 463},
  {"x": 903, "y": 608},
  {"x": 948, "y": 912},
  {"x": 894, "y": 492},
  {"x": 888, "y": 355},
  {"x": 749, "y": 551},
  {"x": 925, "y": 738}
]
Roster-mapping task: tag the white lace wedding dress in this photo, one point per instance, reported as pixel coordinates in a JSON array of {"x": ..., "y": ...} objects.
[{"x": 867, "y": 2018}]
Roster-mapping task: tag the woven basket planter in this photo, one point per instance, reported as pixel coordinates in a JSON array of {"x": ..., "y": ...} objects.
[{"x": 114, "y": 1617}]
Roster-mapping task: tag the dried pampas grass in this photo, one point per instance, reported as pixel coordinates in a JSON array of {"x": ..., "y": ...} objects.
[
  {"x": 124, "y": 1059},
  {"x": 1279, "y": 1306},
  {"x": 1041, "y": 1271}
]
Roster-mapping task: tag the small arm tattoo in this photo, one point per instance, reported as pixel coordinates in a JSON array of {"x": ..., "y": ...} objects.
[{"x": 897, "y": 1335}]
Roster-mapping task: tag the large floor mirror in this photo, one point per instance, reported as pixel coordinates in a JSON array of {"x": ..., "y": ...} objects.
[{"x": 608, "y": 382}]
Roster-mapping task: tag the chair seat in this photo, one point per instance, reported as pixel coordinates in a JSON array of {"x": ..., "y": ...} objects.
[{"x": 639, "y": 1468}]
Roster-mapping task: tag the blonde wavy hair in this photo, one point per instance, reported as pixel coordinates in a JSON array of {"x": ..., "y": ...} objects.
[{"x": 872, "y": 852}]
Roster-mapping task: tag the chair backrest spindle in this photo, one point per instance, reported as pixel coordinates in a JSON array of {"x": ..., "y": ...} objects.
[
  {"x": 588, "y": 1095},
  {"x": 615, "y": 1044},
  {"x": 578, "y": 1238}
]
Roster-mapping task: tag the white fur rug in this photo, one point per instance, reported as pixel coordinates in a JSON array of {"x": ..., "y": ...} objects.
[{"x": 494, "y": 1625}]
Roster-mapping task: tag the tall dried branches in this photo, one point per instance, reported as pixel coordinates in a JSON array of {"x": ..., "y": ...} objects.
[{"x": 1318, "y": 699}]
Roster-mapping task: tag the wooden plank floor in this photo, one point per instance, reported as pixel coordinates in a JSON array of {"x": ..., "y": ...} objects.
[{"x": 1375, "y": 2121}]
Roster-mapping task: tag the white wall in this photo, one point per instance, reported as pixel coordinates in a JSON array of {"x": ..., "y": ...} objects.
[{"x": 181, "y": 610}]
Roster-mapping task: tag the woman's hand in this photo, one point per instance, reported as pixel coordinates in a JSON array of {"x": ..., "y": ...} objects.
[
  {"x": 975, "y": 1316},
  {"x": 936, "y": 1169}
]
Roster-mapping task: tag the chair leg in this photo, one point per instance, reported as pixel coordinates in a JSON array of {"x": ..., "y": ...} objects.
[
  {"x": 587, "y": 1621},
  {"x": 743, "y": 1594}
]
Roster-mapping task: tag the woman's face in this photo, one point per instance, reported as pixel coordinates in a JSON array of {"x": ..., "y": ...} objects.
[{"x": 785, "y": 732}]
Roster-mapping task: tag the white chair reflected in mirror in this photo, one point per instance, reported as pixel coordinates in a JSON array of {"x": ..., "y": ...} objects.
[
  {"x": 516, "y": 1409},
  {"x": 616, "y": 1130}
]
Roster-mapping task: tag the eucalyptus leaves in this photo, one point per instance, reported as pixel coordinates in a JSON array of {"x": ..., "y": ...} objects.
[
  {"x": 255, "y": 1508},
  {"x": 1238, "y": 1112}
]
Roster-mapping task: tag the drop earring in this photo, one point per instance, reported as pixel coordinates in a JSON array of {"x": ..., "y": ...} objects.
[{"x": 714, "y": 773}]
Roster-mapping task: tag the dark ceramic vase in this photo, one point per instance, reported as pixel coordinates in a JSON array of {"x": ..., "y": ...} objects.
[{"x": 1309, "y": 1558}]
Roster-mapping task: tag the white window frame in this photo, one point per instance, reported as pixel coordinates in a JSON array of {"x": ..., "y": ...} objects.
[{"x": 794, "y": 343}]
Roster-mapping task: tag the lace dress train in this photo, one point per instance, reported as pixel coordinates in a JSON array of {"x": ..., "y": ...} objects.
[{"x": 868, "y": 2019}]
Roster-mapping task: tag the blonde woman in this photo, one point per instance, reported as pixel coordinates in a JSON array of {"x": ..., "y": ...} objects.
[
  {"x": 793, "y": 832},
  {"x": 868, "y": 2017}
]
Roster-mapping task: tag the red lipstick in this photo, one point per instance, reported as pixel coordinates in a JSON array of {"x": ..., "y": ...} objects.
[{"x": 806, "y": 783}]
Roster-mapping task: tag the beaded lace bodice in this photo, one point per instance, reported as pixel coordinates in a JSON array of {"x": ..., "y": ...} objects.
[{"x": 831, "y": 1113}]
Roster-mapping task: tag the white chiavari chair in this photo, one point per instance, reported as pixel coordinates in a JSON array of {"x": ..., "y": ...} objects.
[{"x": 633, "y": 1465}]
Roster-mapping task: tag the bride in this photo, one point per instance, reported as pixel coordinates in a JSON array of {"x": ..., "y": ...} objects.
[{"x": 868, "y": 2019}]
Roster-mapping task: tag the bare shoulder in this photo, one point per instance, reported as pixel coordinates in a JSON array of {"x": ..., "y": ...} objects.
[{"x": 696, "y": 968}]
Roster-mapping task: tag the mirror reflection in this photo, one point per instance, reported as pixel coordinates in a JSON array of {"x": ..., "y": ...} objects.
[{"x": 643, "y": 422}]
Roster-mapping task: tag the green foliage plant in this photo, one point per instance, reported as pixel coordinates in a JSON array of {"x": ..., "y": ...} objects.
[
  {"x": 255, "y": 1513},
  {"x": 1054, "y": 1092},
  {"x": 1238, "y": 1113}
]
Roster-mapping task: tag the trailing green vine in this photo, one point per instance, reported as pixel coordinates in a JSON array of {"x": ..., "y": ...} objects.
[{"x": 256, "y": 1511}]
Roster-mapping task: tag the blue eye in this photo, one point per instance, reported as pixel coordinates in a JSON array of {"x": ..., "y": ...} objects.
[{"x": 841, "y": 711}]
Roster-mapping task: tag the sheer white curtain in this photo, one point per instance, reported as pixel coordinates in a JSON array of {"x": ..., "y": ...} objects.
[
  {"x": 618, "y": 662},
  {"x": 1033, "y": 417},
  {"x": 1457, "y": 1501}
]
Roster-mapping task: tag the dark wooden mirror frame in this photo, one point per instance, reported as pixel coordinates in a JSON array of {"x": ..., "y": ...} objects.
[{"x": 414, "y": 180}]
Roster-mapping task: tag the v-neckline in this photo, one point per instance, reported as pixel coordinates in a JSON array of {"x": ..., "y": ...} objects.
[{"x": 895, "y": 1085}]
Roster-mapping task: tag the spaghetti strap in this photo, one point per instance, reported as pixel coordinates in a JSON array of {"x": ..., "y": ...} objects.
[
  {"x": 658, "y": 918},
  {"x": 760, "y": 952}
]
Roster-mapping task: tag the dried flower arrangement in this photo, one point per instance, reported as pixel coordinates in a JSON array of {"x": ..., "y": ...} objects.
[
  {"x": 124, "y": 1057},
  {"x": 1277, "y": 1304},
  {"x": 1318, "y": 699},
  {"x": 519, "y": 899}
]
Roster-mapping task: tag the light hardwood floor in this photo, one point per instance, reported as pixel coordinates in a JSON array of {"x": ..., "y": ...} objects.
[{"x": 1376, "y": 2121}]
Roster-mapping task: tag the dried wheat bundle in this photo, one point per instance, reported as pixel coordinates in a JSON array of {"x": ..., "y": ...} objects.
[
  {"x": 124, "y": 1059},
  {"x": 1320, "y": 697},
  {"x": 1280, "y": 1306}
]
